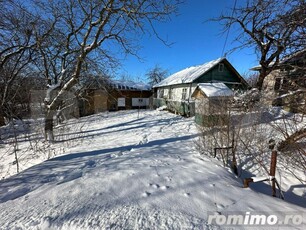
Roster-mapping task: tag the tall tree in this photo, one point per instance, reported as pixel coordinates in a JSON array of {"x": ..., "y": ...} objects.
[
  {"x": 273, "y": 28},
  {"x": 17, "y": 51},
  {"x": 92, "y": 29},
  {"x": 156, "y": 75}
]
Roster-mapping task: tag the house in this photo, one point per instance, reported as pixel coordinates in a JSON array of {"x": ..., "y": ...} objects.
[
  {"x": 211, "y": 101},
  {"x": 93, "y": 100},
  {"x": 129, "y": 95},
  {"x": 176, "y": 90},
  {"x": 285, "y": 85},
  {"x": 115, "y": 95}
]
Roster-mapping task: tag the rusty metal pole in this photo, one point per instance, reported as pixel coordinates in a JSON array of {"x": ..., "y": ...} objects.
[
  {"x": 246, "y": 182},
  {"x": 273, "y": 170},
  {"x": 234, "y": 162}
]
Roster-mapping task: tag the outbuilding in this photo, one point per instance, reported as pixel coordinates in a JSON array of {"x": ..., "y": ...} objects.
[
  {"x": 115, "y": 95},
  {"x": 211, "y": 102},
  {"x": 175, "y": 91}
]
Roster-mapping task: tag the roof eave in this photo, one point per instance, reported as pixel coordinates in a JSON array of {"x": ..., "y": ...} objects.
[{"x": 190, "y": 82}]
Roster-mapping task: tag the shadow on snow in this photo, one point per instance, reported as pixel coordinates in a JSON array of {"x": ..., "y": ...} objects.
[{"x": 66, "y": 168}]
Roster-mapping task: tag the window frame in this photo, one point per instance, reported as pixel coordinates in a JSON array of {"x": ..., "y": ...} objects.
[
  {"x": 221, "y": 67},
  {"x": 184, "y": 93}
]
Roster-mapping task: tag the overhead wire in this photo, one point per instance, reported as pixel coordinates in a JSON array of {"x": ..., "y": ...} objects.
[{"x": 227, "y": 34}]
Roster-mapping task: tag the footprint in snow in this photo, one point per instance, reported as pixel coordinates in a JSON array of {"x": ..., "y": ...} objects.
[
  {"x": 146, "y": 194},
  {"x": 165, "y": 187},
  {"x": 187, "y": 194},
  {"x": 156, "y": 186},
  {"x": 90, "y": 164},
  {"x": 114, "y": 155},
  {"x": 70, "y": 177},
  {"x": 144, "y": 140}
]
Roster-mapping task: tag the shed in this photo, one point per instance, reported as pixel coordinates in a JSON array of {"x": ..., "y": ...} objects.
[
  {"x": 211, "y": 102},
  {"x": 129, "y": 95},
  {"x": 115, "y": 95}
]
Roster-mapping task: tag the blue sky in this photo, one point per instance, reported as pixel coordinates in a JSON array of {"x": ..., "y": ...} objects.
[{"x": 195, "y": 41}]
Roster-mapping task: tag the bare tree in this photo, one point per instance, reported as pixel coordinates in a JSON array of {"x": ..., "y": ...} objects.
[
  {"x": 17, "y": 51},
  {"x": 156, "y": 75},
  {"x": 251, "y": 78},
  {"x": 272, "y": 28},
  {"x": 275, "y": 30},
  {"x": 91, "y": 30}
]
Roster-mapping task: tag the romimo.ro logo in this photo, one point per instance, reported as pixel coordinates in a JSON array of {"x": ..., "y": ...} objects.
[{"x": 257, "y": 219}]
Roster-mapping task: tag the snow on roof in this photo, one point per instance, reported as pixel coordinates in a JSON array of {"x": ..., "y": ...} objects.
[
  {"x": 188, "y": 75},
  {"x": 301, "y": 54},
  {"x": 215, "y": 89},
  {"x": 258, "y": 67},
  {"x": 129, "y": 85},
  {"x": 289, "y": 58}
]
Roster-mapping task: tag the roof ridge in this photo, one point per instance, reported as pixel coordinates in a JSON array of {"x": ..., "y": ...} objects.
[{"x": 189, "y": 74}]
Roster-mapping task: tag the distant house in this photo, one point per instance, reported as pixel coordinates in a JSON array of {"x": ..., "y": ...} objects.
[
  {"x": 176, "y": 90},
  {"x": 115, "y": 95},
  {"x": 129, "y": 95},
  {"x": 285, "y": 85},
  {"x": 93, "y": 100},
  {"x": 211, "y": 100}
]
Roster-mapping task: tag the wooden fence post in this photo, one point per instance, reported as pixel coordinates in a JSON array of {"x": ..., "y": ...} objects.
[
  {"x": 234, "y": 161},
  {"x": 273, "y": 165},
  {"x": 273, "y": 170}
]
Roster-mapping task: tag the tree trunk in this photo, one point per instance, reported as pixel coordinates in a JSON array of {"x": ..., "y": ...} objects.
[
  {"x": 2, "y": 122},
  {"x": 261, "y": 77},
  {"x": 49, "y": 136}
]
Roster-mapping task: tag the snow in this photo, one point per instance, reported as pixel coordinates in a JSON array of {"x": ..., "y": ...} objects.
[
  {"x": 258, "y": 179},
  {"x": 128, "y": 170},
  {"x": 215, "y": 89},
  {"x": 188, "y": 75},
  {"x": 49, "y": 91},
  {"x": 129, "y": 85},
  {"x": 287, "y": 59},
  {"x": 291, "y": 93}
]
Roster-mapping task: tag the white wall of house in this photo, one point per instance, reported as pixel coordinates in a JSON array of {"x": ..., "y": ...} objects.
[
  {"x": 176, "y": 92},
  {"x": 140, "y": 102}
]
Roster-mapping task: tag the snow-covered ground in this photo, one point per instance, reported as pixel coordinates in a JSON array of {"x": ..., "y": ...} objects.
[{"x": 126, "y": 170}]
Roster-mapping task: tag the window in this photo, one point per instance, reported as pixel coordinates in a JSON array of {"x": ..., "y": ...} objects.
[
  {"x": 170, "y": 93},
  {"x": 277, "y": 84},
  {"x": 221, "y": 67},
  {"x": 184, "y": 93},
  {"x": 160, "y": 93}
]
